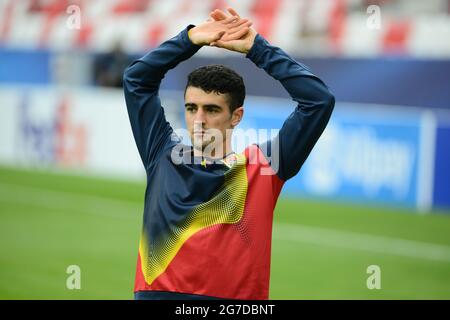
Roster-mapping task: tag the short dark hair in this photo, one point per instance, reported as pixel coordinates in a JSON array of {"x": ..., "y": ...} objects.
[{"x": 220, "y": 79}]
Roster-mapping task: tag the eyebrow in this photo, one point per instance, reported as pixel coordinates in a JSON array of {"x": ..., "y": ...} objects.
[{"x": 211, "y": 105}]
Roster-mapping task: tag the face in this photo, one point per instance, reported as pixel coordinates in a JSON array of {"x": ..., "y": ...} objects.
[{"x": 208, "y": 118}]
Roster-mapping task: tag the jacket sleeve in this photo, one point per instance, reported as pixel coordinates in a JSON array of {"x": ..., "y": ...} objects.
[
  {"x": 301, "y": 130},
  {"x": 141, "y": 82}
]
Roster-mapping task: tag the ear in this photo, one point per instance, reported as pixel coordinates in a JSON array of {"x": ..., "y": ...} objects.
[{"x": 237, "y": 115}]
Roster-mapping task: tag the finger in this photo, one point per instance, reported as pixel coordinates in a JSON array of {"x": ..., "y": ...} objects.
[
  {"x": 235, "y": 36},
  {"x": 219, "y": 44},
  {"x": 220, "y": 14},
  {"x": 217, "y": 36},
  {"x": 230, "y": 20},
  {"x": 215, "y": 43},
  {"x": 231, "y": 33},
  {"x": 239, "y": 22},
  {"x": 236, "y": 23},
  {"x": 212, "y": 16},
  {"x": 239, "y": 34},
  {"x": 225, "y": 44},
  {"x": 242, "y": 24},
  {"x": 233, "y": 12}
]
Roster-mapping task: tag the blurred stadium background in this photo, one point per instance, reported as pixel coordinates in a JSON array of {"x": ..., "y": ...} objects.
[{"x": 375, "y": 190}]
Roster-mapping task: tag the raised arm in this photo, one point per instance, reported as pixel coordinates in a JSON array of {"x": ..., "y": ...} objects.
[
  {"x": 315, "y": 102},
  {"x": 303, "y": 127},
  {"x": 143, "y": 77},
  {"x": 141, "y": 84}
]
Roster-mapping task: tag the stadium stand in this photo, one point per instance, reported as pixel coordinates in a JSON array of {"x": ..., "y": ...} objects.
[{"x": 319, "y": 27}]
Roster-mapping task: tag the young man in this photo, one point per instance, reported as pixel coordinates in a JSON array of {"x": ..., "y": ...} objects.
[{"x": 208, "y": 218}]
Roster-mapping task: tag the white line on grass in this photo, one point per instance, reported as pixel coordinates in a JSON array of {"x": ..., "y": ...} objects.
[
  {"x": 116, "y": 208},
  {"x": 64, "y": 200},
  {"x": 362, "y": 242}
]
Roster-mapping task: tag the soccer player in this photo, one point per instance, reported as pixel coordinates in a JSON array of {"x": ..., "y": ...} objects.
[{"x": 207, "y": 223}]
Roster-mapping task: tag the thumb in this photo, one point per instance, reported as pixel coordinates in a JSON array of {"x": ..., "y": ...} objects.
[
  {"x": 223, "y": 44},
  {"x": 233, "y": 45},
  {"x": 217, "y": 36}
]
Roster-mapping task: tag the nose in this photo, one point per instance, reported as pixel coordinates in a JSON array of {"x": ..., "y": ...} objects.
[{"x": 199, "y": 118}]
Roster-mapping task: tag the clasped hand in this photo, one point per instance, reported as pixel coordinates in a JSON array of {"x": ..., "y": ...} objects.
[{"x": 228, "y": 31}]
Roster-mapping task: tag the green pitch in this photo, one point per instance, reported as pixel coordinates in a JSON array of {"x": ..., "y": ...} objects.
[{"x": 320, "y": 250}]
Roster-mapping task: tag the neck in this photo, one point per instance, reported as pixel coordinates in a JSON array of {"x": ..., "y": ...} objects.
[
  {"x": 217, "y": 152},
  {"x": 226, "y": 150}
]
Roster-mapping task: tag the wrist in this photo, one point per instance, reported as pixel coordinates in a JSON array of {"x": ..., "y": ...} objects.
[
  {"x": 250, "y": 44},
  {"x": 191, "y": 36},
  {"x": 189, "y": 33},
  {"x": 247, "y": 49}
]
